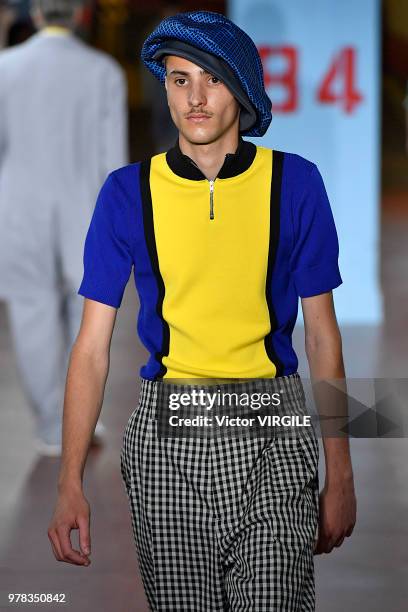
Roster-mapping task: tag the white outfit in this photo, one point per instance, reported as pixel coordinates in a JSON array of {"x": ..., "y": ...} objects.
[{"x": 63, "y": 128}]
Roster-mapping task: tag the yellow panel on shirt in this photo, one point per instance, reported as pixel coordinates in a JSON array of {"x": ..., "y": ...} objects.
[{"x": 214, "y": 270}]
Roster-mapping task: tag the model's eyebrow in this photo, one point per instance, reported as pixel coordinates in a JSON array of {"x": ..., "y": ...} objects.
[{"x": 184, "y": 73}]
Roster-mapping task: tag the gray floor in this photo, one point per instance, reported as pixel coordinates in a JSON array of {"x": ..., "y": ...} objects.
[{"x": 368, "y": 572}]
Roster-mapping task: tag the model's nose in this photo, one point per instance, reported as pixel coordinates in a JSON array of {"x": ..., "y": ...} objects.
[{"x": 197, "y": 96}]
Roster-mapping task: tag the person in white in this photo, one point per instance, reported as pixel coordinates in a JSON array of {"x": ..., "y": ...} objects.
[{"x": 63, "y": 128}]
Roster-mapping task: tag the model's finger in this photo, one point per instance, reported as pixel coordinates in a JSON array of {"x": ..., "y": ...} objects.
[
  {"x": 339, "y": 542},
  {"x": 53, "y": 536},
  {"x": 322, "y": 539},
  {"x": 69, "y": 554},
  {"x": 325, "y": 544},
  {"x": 55, "y": 545},
  {"x": 350, "y": 530},
  {"x": 320, "y": 545},
  {"x": 84, "y": 535}
]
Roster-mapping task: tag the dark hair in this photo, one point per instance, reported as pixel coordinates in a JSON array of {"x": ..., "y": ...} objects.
[{"x": 57, "y": 11}]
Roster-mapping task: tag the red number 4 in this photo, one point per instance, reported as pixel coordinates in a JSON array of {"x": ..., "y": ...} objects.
[
  {"x": 337, "y": 86},
  {"x": 341, "y": 72}
]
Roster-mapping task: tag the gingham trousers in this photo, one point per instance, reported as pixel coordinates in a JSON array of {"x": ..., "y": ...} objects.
[{"x": 223, "y": 523}]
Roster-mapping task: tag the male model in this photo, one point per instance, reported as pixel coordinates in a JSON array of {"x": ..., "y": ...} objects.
[
  {"x": 63, "y": 127},
  {"x": 224, "y": 237}
]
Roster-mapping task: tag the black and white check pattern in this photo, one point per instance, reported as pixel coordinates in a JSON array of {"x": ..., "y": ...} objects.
[{"x": 223, "y": 523}]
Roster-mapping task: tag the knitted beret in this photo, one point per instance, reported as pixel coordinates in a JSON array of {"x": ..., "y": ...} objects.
[{"x": 215, "y": 34}]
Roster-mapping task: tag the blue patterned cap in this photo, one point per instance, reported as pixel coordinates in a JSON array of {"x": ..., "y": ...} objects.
[{"x": 215, "y": 34}]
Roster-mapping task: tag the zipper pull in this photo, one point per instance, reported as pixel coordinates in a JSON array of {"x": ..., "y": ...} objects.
[{"x": 211, "y": 199}]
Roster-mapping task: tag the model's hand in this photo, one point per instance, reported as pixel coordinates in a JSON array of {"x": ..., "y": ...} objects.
[
  {"x": 337, "y": 509},
  {"x": 71, "y": 512}
]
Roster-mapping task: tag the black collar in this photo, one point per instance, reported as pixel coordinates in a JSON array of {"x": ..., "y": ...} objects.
[{"x": 234, "y": 163}]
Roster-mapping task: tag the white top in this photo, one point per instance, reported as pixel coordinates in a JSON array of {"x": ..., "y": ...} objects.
[{"x": 63, "y": 128}]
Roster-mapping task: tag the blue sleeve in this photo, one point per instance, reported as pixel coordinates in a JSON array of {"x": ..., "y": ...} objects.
[
  {"x": 107, "y": 253},
  {"x": 314, "y": 260}
]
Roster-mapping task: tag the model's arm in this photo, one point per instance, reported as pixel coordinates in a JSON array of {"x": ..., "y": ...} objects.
[
  {"x": 324, "y": 353},
  {"x": 85, "y": 385}
]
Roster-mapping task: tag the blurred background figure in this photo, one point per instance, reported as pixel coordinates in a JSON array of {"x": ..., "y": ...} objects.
[{"x": 63, "y": 128}]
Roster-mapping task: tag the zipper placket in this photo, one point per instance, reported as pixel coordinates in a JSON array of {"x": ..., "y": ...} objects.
[
  {"x": 211, "y": 188},
  {"x": 212, "y": 199}
]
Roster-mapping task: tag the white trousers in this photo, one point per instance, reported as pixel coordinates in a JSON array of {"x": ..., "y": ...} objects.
[{"x": 43, "y": 327}]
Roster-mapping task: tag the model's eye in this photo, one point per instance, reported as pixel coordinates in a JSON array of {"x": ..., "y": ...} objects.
[
  {"x": 178, "y": 80},
  {"x": 216, "y": 79}
]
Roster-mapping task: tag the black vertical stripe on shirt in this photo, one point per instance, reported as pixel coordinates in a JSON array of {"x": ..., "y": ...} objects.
[
  {"x": 148, "y": 226},
  {"x": 274, "y": 230}
]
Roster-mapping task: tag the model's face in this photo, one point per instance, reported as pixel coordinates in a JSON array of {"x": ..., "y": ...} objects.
[{"x": 191, "y": 92}]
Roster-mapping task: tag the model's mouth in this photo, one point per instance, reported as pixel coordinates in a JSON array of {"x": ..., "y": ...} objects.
[{"x": 198, "y": 118}]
